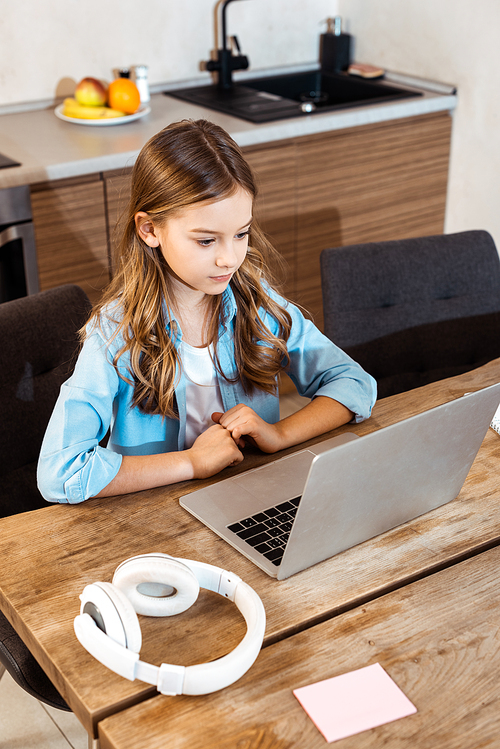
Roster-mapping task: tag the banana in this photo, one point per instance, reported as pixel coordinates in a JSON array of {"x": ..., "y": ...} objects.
[{"x": 71, "y": 108}]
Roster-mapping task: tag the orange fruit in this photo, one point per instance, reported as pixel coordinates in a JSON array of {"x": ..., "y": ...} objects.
[{"x": 124, "y": 95}]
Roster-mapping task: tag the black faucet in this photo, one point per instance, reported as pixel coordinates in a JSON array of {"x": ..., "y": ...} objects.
[{"x": 227, "y": 62}]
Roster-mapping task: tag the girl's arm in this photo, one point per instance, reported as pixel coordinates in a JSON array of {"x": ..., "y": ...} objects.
[
  {"x": 73, "y": 463},
  {"x": 212, "y": 451},
  {"x": 321, "y": 415},
  {"x": 318, "y": 367},
  {"x": 340, "y": 390}
]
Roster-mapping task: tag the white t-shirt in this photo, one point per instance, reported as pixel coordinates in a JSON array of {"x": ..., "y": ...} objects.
[{"x": 202, "y": 390}]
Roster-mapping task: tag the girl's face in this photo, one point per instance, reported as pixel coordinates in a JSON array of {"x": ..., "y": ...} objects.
[{"x": 204, "y": 244}]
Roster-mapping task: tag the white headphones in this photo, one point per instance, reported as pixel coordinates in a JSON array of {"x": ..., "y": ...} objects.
[{"x": 161, "y": 585}]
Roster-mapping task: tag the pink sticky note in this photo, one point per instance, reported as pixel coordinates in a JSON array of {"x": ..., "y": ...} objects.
[{"x": 354, "y": 702}]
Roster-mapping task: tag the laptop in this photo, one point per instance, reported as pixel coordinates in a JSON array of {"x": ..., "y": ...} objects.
[{"x": 308, "y": 506}]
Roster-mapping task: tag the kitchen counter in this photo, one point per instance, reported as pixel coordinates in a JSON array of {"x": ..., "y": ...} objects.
[{"x": 51, "y": 149}]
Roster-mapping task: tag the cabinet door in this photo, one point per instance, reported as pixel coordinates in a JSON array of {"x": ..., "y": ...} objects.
[
  {"x": 117, "y": 191},
  {"x": 71, "y": 235},
  {"x": 367, "y": 184},
  {"x": 274, "y": 167}
]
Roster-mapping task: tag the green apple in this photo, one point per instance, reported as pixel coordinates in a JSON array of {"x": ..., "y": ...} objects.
[{"x": 91, "y": 93}]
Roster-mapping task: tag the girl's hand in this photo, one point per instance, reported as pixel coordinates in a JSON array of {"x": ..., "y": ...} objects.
[
  {"x": 242, "y": 421},
  {"x": 321, "y": 415},
  {"x": 212, "y": 451}
]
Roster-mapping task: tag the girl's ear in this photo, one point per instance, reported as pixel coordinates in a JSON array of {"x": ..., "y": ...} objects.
[{"x": 145, "y": 229}]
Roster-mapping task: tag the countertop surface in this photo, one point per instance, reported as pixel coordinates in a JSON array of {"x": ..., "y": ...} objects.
[{"x": 50, "y": 149}]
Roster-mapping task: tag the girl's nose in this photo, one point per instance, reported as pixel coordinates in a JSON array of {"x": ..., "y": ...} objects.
[{"x": 227, "y": 257}]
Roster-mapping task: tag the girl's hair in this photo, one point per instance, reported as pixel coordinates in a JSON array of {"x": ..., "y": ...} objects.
[{"x": 189, "y": 162}]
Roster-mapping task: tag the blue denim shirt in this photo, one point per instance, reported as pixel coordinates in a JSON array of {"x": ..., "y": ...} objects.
[{"x": 73, "y": 466}]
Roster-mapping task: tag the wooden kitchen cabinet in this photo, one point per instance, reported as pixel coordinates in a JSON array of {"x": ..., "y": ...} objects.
[
  {"x": 275, "y": 170},
  {"x": 369, "y": 183},
  {"x": 71, "y": 234},
  {"x": 117, "y": 192}
]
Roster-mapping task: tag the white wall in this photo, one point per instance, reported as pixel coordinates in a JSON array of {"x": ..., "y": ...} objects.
[
  {"x": 48, "y": 45},
  {"x": 455, "y": 41}
]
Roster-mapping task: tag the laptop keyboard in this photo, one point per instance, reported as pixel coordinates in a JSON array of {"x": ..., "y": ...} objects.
[{"x": 268, "y": 531}]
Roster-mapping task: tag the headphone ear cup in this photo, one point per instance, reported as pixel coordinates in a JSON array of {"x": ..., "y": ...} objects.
[
  {"x": 113, "y": 614},
  {"x": 157, "y": 585}
]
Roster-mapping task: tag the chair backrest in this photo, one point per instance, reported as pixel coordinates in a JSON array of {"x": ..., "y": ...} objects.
[
  {"x": 414, "y": 311},
  {"x": 372, "y": 290},
  {"x": 39, "y": 345}
]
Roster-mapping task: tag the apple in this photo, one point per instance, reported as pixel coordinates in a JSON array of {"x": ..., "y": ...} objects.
[{"x": 91, "y": 93}]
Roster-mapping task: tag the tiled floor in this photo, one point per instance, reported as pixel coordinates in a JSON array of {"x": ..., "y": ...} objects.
[{"x": 27, "y": 724}]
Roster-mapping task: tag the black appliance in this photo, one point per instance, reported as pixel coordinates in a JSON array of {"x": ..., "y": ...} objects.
[{"x": 18, "y": 263}]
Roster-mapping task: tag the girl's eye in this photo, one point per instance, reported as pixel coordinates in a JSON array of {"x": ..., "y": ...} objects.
[
  {"x": 205, "y": 242},
  {"x": 243, "y": 234}
]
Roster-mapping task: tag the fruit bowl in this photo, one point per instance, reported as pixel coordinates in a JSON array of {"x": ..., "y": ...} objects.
[{"x": 143, "y": 110}]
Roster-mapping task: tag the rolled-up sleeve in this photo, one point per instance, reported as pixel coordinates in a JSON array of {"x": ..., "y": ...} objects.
[
  {"x": 72, "y": 465},
  {"x": 319, "y": 367}
]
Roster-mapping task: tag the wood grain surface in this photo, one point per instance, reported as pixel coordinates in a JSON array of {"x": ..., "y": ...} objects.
[
  {"x": 275, "y": 171},
  {"x": 368, "y": 184},
  {"x": 117, "y": 195},
  {"x": 377, "y": 182},
  {"x": 438, "y": 639},
  {"x": 71, "y": 234},
  {"x": 49, "y": 555}
]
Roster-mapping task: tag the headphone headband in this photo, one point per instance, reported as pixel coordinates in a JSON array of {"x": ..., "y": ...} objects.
[{"x": 161, "y": 585}]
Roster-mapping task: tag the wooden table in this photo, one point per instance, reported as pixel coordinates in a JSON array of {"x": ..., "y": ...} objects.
[
  {"x": 438, "y": 639},
  {"x": 49, "y": 555}
]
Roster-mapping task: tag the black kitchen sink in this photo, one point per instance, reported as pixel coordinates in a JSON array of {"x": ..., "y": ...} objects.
[{"x": 292, "y": 95}]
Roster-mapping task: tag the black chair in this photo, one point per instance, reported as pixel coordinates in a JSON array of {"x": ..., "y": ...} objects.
[
  {"x": 39, "y": 345},
  {"x": 414, "y": 311}
]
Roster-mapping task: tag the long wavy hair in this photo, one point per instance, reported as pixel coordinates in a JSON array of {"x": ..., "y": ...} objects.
[{"x": 186, "y": 163}]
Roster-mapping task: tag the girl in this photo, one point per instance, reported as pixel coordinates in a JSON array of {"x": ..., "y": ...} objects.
[{"x": 180, "y": 359}]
